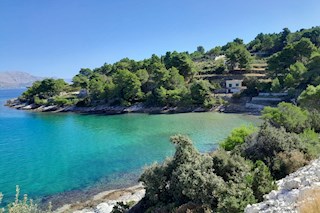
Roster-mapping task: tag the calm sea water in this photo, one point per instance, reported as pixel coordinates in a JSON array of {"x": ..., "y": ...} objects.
[{"x": 46, "y": 153}]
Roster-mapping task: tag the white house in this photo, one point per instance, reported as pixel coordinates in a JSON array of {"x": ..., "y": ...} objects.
[{"x": 234, "y": 86}]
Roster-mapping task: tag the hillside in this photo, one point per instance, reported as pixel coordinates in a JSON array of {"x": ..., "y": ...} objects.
[{"x": 17, "y": 79}]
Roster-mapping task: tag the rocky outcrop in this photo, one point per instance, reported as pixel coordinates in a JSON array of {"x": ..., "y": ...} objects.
[
  {"x": 104, "y": 109},
  {"x": 105, "y": 201},
  {"x": 290, "y": 190}
]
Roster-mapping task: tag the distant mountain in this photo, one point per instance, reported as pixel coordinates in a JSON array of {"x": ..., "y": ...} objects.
[{"x": 17, "y": 79}]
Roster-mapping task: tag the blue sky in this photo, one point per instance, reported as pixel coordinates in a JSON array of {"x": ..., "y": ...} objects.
[{"x": 58, "y": 37}]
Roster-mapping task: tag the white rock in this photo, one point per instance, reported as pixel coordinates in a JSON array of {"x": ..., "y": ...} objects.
[
  {"x": 292, "y": 184},
  {"x": 252, "y": 209},
  {"x": 104, "y": 208}
]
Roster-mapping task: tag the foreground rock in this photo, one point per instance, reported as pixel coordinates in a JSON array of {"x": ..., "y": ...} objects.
[
  {"x": 291, "y": 191},
  {"x": 105, "y": 201}
]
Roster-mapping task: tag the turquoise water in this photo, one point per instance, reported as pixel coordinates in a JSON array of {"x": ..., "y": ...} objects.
[{"x": 47, "y": 153}]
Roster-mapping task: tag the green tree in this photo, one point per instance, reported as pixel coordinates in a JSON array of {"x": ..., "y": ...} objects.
[
  {"x": 310, "y": 98},
  {"x": 238, "y": 55},
  {"x": 44, "y": 89},
  {"x": 275, "y": 85},
  {"x": 289, "y": 81},
  {"x": 142, "y": 75},
  {"x": 182, "y": 62},
  {"x": 200, "y": 91},
  {"x": 297, "y": 70},
  {"x": 268, "y": 143},
  {"x": 303, "y": 48},
  {"x": 81, "y": 81},
  {"x": 262, "y": 182},
  {"x": 312, "y": 76},
  {"x": 86, "y": 72},
  {"x": 289, "y": 116},
  {"x": 253, "y": 86},
  {"x": 97, "y": 85},
  {"x": 237, "y": 137},
  {"x": 201, "y": 49},
  {"x": 300, "y": 51},
  {"x": 127, "y": 86},
  {"x": 186, "y": 177}
]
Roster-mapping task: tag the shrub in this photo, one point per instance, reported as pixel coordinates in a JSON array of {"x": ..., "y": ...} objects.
[
  {"x": 314, "y": 120},
  {"x": 23, "y": 206},
  {"x": 262, "y": 182},
  {"x": 267, "y": 143},
  {"x": 39, "y": 101},
  {"x": 235, "y": 199},
  {"x": 122, "y": 207},
  {"x": 187, "y": 177},
  {"x": 312, "y": 142},
  {"x": 310, "y": 98},
  {"x": 237, "y": 137},
  {"x": 288, "y": 162},
  {"x": 230, "y": 167},
  {"x": 60, "y": 101},
  {"x": 289, "y": 116}
]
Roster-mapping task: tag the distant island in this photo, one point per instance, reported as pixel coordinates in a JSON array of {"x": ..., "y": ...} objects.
[{"x": 17, "y": 79}]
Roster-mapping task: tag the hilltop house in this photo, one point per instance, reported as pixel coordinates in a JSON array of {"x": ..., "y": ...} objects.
[{"x": 234, "y": 86}]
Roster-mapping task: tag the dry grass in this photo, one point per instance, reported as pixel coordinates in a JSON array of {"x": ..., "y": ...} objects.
[{"x": 309, "y": 202}]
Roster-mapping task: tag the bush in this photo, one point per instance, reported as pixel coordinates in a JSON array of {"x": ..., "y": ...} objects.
[
  {"x": 312, "y": 142},
  {"x": 235, "y": 199},
  {"x": 237, "y": 137},
  {"x": 61, "y": 101},
  {"x": 314, "y": 120},
  {"x": 288, "y": 162},
  {"x": 267, "y": 143},
  {"x": 23, "y": 206},
  {"x": 310, "y": 98},
  {"x": 187, "y": 177},
  {"x": 122, "y": 207},
  {"x": 230, "y": 167},
  {"x": 39, "y": 101},
  {"x": 262, "y": 182},
  {"x": 289, "y": 116}
]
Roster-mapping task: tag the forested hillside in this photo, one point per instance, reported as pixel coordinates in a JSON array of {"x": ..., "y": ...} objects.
[{"x": 285, "y": 61}]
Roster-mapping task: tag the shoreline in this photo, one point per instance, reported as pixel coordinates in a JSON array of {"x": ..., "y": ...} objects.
[
  {"x": 117, "y": 110},
  {"x": 105, "y": 200}
]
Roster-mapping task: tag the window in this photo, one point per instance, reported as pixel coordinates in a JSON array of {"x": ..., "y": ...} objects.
[{"x": 237, "y": 85}]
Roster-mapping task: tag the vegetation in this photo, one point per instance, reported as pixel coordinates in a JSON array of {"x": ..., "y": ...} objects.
[
  {"x": 237, "y": 137},
  {"x": 23, "y": 206},
  {"x": 289, "y": 116},
  {"x": 179, "y": 79},
  {"x": 245, "y": 166},
  {"x": 310, "y": 98}
]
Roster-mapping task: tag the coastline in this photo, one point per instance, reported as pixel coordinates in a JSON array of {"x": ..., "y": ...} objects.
[
  {"x": 105, "y": 200},
  {"x": 137, "y": 108}
]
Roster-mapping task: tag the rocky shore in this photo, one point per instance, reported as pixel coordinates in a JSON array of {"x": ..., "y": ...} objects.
[
  {"x": 137, "y": 108},
  {"x": 292, "y": 191},
  {"x": 105, "y": 201},
  {"x": 106, "y": 109}
]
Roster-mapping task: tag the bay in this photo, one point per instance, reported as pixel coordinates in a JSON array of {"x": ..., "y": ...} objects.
[{"x": 53, "y": 153}]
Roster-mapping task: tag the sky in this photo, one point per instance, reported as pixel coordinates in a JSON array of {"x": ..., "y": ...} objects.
[{"x": 55, "y": 38}]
